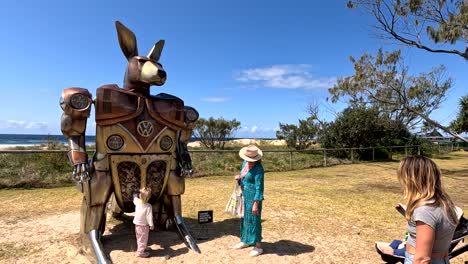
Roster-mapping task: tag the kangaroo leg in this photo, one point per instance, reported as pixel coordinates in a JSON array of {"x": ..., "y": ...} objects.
[
  {"x": 114, "y": 208},
  {"x": 175, "y": 188},
  {"x": 93, "y": 213},
  {"x": 181, "y": 227}
]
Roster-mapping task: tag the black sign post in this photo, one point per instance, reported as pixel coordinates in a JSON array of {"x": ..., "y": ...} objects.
[{"x": 204, "y": 217}]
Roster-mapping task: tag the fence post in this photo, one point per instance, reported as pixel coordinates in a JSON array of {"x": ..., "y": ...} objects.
[
  {"x": 352, "y": 156},
  {"x": 373, "y": 154},
  {"x": 419, "y": 150},
  {"x": 324, "y": 157},
  {"x": 438, "y": 148},
  {"x": 391, "y": 153},
  {"x": 290, "y": 160},
  {"x": 406, "y": 151}
]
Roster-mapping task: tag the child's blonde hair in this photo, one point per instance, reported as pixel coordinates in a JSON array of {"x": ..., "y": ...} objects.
[
  {"x": 422, "y": 185},
  {"x": 145, "y": 194}
]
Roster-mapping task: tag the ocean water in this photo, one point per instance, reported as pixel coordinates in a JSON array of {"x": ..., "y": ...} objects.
[{"x": 24, "y": 139}]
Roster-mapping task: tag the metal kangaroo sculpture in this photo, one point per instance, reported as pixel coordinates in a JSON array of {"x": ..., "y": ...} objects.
[{"x": 141, "y": 141}]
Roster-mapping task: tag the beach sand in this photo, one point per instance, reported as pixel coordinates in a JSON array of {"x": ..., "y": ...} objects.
[
  {"x": 195, "y": 144},
  {"x": 12, "y": 146},
  {"x": 247, "y": 141}
]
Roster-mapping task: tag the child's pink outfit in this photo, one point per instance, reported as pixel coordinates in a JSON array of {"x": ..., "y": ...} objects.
[{"x": 143, "y": 221}]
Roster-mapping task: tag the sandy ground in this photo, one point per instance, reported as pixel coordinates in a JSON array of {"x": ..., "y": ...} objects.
[{"x": 54, "y": 239}]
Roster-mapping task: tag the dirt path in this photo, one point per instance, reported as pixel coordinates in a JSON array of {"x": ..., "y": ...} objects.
[{"x": 54, "y": 239}]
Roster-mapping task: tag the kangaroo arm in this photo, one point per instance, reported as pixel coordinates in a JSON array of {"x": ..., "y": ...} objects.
[{"x": 76, "y": 106}]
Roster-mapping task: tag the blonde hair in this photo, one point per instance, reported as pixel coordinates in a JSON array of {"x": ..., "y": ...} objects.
[
  {"x": 145, "y": 194},
  {"x": 422, "y": 185}
]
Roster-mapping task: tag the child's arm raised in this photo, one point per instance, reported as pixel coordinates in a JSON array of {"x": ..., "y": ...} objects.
[{"x": 135, "y": 198}]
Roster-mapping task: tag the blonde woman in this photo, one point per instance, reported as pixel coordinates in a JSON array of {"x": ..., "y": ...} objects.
[
  {"x": 143, "y": 220},
  {"x": 430, "y": 212}
]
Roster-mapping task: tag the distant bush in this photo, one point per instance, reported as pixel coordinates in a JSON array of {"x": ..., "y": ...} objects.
[
  {"x": 34, "y": 170},
  {"x": 214, "y": 132},
  {"x": 381, "y": 153},
  {"x": 361, "y": 127},
  {"x": 28, "y": 170}
]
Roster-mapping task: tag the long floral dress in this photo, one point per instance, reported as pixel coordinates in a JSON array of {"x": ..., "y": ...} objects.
[{"x": 252, "y": 189}]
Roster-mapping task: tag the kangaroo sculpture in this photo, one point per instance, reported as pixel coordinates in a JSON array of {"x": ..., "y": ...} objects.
[{"x": 141, "y": 141}]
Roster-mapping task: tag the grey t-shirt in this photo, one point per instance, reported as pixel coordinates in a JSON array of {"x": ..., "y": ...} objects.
[{"x": 436, "y": 218}]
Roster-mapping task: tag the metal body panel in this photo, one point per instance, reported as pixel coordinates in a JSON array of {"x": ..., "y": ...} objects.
[
  {"x": 130, "y": 173},
  {"x": 131, "y": 143},
  {"x": 115, "y": 105}
]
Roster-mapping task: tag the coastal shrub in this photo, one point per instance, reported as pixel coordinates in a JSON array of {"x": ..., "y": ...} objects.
[
  {"x": 32, "y": 170},
  {"x": 381, "y": 153},
  {"x": 28, "y": 170}
]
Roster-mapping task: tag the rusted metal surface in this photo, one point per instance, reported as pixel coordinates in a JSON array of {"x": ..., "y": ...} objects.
[{"x": 141, "y": 139}]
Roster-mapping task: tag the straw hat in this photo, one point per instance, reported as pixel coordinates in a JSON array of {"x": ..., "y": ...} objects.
[{"x": 251, "y": 153}]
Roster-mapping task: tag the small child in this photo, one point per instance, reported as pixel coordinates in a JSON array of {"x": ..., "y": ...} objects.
[{"x": 143, "y": 220}]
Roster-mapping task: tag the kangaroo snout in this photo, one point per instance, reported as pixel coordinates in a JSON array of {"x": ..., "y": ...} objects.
[
  {"x": 152, "y": 73},
  {"x": 162, "y": 74}
]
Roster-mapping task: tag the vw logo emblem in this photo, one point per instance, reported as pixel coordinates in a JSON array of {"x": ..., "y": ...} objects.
[{"x": 145, "y": 128}]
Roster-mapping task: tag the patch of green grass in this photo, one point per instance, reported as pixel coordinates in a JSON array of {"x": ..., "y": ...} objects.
[
  {"x": 27, "y": 170},
  {"x": 45, "y": 170},
  {"x": 28, "y": 204}
]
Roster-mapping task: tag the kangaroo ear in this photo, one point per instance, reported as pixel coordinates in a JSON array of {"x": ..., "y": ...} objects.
[
  {"x": 155, "y": 52},
  {"x": 127, "y": 40}
]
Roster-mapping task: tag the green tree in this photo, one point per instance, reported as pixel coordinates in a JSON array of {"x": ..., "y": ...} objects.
[
  {"x": 299, "y": 136},
  {"x": 382, "y": 81},
  {"x": 424, "y": 24},
  {"x": 213, "y": 133},
  {"x": 359, "y": 127},
  {"x": 460, "y": 124}
]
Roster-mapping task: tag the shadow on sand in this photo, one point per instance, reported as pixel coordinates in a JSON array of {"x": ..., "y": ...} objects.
[
  {"x": 286, "y": 248},
  {"x": 121, "y": 237},
  {"x": 463, "y": 173}
]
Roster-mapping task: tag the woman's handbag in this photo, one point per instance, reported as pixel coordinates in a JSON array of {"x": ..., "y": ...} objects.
[{"x": 234, "y": 205}]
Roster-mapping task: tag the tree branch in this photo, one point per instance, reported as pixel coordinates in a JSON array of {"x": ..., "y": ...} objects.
[
  {"x": 388, "y": 27},
  {"x": 436, "y": 124},
  {"x": 420, "y": 46}
]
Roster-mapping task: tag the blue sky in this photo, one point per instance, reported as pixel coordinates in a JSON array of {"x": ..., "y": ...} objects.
[{"x": 261, "y": 62}]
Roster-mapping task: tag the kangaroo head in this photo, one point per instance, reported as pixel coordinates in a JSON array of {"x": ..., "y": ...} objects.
[{"x": 142, "y": 72}]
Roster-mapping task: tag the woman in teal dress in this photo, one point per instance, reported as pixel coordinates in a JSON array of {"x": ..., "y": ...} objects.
[{"x": 251, "y": 181}]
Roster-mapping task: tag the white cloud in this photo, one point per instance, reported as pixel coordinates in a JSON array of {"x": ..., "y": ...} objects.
[
  {"x": 256, "y": 132},
  {"x": 215, "y": 99},
  {"x": 287, "y": 76},
  {"x": 23, "y": 125}
]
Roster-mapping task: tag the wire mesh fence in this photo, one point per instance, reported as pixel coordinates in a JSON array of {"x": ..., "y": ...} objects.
[
  {"x": 48, "y": 168},
  {"x": 220, "y": 162}
]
